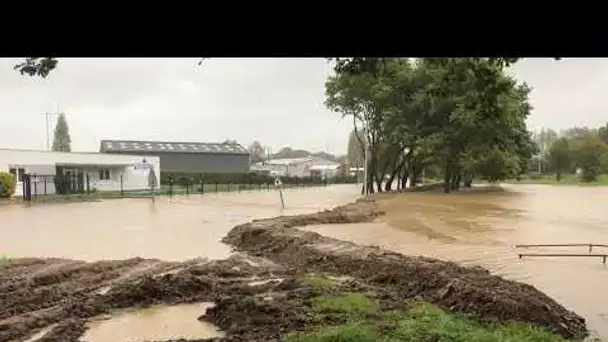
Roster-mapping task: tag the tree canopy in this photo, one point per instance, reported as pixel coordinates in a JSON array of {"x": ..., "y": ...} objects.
[
  {"x": 61, "y": 137},
  {"x": 465, "y": 116}
]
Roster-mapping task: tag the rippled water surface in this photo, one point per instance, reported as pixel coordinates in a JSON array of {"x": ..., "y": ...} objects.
[{"x": 481, "y": 228}]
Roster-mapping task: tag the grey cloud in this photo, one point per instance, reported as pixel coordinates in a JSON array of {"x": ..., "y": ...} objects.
[{"x": 276, "y": 101}]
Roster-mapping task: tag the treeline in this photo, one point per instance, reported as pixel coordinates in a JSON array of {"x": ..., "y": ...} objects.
[
  {"x": 459, "y": 118},
  {"x": 582, "y": 148}
]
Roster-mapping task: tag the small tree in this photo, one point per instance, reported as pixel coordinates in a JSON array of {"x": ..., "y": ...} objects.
[
  {"x": 7, "y": 184},
  {"x": 588, "y": 151},
  {"x": 560, "y": 157},
  {"x": 61, "y": 136}
]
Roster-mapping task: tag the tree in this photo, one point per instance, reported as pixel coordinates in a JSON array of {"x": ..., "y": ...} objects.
[
  {"x": 560, "y": 157},
  {"x": 355, "y": 149},
  {"x": 61, "y": 136},
  {"x": 37, "y": 66},
  {"x": 603, "y": 133},
  {"x": 589, "y": 152},
  {"x": 257, "y": 152}
]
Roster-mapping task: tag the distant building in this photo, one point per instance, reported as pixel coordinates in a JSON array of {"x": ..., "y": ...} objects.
[
  {"x": 78, "y": 171},
  {"x": 190, "y": 157},
  {"x": 298, "y": 167}
]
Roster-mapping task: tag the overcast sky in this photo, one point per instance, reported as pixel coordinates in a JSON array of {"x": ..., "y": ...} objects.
[{"x": 276, "y": 101}]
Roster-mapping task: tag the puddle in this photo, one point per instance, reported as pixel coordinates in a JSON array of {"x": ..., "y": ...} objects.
[
  {"x": 264, "y": 282},
  {"x": 41, "y": 333},
  {"x": 156, "y": 323}
]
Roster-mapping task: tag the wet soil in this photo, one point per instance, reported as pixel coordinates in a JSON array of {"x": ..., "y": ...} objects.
[{"x": 259, "y": 296}]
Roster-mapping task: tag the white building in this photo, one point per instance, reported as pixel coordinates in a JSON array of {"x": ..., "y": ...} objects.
[
  {"x": 100, "y": 171},
  {"x": 299, "y": 167}
]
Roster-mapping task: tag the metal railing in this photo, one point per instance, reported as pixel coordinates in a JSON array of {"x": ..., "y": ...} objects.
[{"x": 590, "y": 245}]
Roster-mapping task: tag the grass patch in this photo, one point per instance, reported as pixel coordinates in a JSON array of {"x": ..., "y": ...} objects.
[
  {"x": 318, "y": 280},
  {"x": 4, "y": 259},
  {"x": 356, "y": 304},
  {"x": 421, "y": 322}
]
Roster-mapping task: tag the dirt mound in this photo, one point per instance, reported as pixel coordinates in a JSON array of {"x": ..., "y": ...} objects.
[{"x": 453, "y": 287}]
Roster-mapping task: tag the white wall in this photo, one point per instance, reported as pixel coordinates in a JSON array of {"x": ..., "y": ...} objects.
[{"x": 118, "y": 164}]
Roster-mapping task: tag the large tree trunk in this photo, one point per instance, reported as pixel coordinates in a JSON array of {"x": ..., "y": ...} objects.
[
  {"x": 447, "y": 177},
  {"x": 394, "y": 174}
]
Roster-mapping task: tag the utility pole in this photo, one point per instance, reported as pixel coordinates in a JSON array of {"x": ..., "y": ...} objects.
[{"x": 47, "y": 117}]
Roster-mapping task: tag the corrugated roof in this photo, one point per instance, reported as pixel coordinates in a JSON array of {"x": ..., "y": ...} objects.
[{"x": 169, "y": 146}]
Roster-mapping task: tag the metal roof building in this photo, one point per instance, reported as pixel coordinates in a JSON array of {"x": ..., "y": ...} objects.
[{"x": 192, "y": 157}]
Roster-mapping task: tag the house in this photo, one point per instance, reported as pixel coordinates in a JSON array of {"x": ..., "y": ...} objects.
[
  {"x": 299, "y": 167},
  {"x": 79, "y": 171},
  {"x": 187, "y": 157}
]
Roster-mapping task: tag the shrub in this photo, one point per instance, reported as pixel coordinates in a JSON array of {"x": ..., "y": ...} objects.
[{"x": 7, "y": 184}]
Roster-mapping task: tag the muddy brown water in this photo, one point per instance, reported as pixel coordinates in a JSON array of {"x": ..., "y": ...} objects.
[
  {"x": 472, "y": 228},
  {"x": 482, "y": 228},
  {"x": 174, "y": 229}
]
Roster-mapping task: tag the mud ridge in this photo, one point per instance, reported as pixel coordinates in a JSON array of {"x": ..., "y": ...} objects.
[{"x": 447, "y": 284}]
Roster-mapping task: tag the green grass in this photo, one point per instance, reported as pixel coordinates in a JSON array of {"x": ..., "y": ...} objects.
[
  {"x": 4, "y": 259},
  {"x": 567, "y": 179},
  {"x": 366, "y": 322},
  {"x": 318, "y": 280},
  {"x": 355, "y": 304}
]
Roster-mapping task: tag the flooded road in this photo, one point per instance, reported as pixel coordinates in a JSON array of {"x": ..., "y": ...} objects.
[
  {"x": 481, "y": 228},
  {"x": 173, "y": 229}
]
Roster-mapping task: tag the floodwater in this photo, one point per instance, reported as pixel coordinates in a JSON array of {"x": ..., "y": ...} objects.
[
  {"x": 156, "y": 323},
  {"x": 174, "y": 229},
  {"x": 481, "y": 228}
]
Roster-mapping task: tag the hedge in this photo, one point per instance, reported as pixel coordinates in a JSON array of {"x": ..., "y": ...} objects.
[
  {"x": 183, "y": 178},
  {"x": 7, "y": 184}
]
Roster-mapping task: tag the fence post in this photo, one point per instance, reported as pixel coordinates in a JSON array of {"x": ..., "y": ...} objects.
[
  {"x": 35, "y": 187},
  {"x": 122, "y": 193},
  {"x": 170, "y": 186},
  {"x": 88, "y": 184},
  {"x": 215, "y": 186},
  {"x": 202, "y": 184},
  {"x": 45, "y": 180},
  {"x": 187, "y": 188}
]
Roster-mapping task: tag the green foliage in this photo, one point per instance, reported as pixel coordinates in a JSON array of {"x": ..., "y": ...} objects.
[
  {"x": 422, "y": 322},
  {"x": 456, "y": 114},
  {"x": 589, "y": 151},
  {"x": 7, "y": 184},
  {"x": 37, "y": 66},
  {"x": 61, "y": 137},
  {"x": 560, "y": 156},
  {"x": 603, "y": 133}
]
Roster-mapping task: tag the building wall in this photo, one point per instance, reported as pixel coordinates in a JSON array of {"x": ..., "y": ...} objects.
[
  {"x": 201, "y": 162},
  {"x": 132, "y": 178}
]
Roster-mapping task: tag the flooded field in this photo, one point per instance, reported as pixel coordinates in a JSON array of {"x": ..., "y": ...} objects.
[
  {"x": 175, "y": 229},
  {"x": 482, "y": 229}
]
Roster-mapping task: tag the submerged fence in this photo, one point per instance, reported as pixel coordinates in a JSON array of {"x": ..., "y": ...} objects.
[{"x": 80, "y": 187}]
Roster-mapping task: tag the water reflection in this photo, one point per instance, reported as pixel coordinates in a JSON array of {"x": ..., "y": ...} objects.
[{"x": 482, "y": 229}]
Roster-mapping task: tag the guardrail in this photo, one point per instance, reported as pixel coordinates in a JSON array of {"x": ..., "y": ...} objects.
[
  {"x": 590, "y": 245},
  {"x": 603, "y": 256}
]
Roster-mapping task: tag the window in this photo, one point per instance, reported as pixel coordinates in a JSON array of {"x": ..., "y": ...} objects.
[
  {"x": 104, "y": 174},
  {"x": 18, "y": 172}
]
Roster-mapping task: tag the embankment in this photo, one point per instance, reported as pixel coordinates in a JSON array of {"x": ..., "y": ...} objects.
[{"x": 451, "y": 286}]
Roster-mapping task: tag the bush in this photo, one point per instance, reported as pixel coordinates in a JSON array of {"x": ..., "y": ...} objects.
[
  {"x": 7, "y": 184},
  {"x": 183, "y": 178}
]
